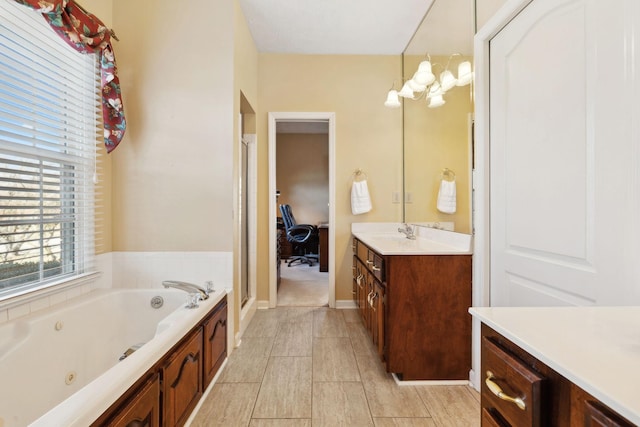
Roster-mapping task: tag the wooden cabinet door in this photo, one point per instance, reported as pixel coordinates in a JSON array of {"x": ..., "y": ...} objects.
[
  {"x": 377, "y": 316},
  {"x": 598, "y": 415},
  {"x": 143, "y": 409},
  {"x": 361, "y": 289},
  {"x": 369, "y": 288},
  {"x": 182, "y": 381},
  {"x": 215, "y": 342}
]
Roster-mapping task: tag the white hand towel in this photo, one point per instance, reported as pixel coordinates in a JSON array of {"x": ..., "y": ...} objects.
[
  {"x": 447, "y": 197},
  {"x": 360, "y": 200}
]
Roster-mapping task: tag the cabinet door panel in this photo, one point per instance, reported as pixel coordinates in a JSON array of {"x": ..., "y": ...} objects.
[
  {"x": 598, "y": 415},
  {"x": 215, "y": 343},
  {"x": 182, "y": 383},
  {"x": 143, "y": 410},
  {"x": 377, "y": 315}
]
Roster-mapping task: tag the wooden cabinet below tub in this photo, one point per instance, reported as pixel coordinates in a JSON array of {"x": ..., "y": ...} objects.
[
  {"x": 215, "y": 342},
  {"x": 519, "y": 390},
  {"x": 415, "y": 308},
  {"x": 182, "y": 381},
  {"x": 143, "y": 409},
  {"x": 169, "y": 391}
]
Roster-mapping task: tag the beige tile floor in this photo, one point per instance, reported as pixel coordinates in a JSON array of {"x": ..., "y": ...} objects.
[{"x": 306, "y": 366}]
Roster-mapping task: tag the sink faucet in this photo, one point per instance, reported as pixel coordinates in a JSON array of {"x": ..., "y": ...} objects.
[
  {"x": 408, "y": 231},
  {"x": 187, "y": 287}
]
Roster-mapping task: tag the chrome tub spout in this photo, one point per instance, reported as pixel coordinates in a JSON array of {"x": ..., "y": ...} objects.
[{"x": 187, "y": 287}]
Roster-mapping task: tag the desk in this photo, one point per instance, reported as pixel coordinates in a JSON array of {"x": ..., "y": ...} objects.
[{"x": 323, "y": 235}]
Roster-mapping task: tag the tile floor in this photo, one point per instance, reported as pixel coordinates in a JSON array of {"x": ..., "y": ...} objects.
[{"x": 306, "y": 366}]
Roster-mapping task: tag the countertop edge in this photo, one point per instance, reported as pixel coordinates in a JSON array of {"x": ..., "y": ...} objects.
[
  {"x": 593, "y": 389},
  {"x": 362, "y": 236}
]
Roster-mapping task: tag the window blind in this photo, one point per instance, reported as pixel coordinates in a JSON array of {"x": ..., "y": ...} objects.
[{"x": 49, "y": 118}]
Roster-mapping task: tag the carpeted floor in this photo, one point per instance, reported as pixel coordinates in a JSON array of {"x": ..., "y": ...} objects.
[{"x": 302, "y": 285}]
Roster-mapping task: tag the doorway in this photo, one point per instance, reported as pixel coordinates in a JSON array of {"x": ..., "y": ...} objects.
[{"x": 310, "y": 119}]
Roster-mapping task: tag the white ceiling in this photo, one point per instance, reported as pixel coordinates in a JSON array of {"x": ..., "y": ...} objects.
[
  {"x": 362, "y": 27},
  {"x": 448, "y": 28}
]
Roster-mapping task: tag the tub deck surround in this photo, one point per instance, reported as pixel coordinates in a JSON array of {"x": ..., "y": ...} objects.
[
  {"x": 596, "y": 348},
  {"x": 88, "y": 403},
  {"x": 385, "y": 239}
]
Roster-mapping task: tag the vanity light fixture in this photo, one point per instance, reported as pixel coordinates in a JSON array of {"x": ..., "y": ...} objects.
[
  {"x": 424, "y": 83},
  {"x": 392, "y": 99}
]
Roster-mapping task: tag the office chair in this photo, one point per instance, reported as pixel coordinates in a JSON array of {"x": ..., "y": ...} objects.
[{"x": 303, "y": 238}]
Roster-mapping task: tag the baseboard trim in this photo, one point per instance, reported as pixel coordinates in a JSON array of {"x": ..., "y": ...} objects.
[
  {"x": 429, "y": 382},
  {"x": 263, "y": 305},
  {"x": 345, "y": 304}
]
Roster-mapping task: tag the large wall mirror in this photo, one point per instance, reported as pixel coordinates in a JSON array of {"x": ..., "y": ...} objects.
[{"x": 438, "y": 141}]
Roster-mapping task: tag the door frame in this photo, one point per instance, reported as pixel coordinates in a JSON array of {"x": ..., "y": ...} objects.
[
  {"x": 481, "y": 174},
  {"x": 275, "y": 117}
]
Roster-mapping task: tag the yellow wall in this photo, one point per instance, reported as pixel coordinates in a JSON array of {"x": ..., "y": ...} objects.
[
  {"x": 302, "y": 175},
  {"x": 173, "y": 172},
  {"x": 245, "y": 88},
  {"x": 102, "y": 9},
  {"x": 437, "y": 138},
  {"x": 174, "y": 178},
  {"x": 368, "y": 136}
]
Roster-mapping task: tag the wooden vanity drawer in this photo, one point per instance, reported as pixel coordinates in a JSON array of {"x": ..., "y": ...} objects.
[
  {"x": 492, "y": 419},
  {"x": 375, "y": 264},
  {"x": 520, "y": 388},
  {"x": 361, "y": 250}
]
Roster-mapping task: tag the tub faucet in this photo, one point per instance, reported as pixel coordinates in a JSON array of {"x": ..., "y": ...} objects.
[
  {"x": 187, "y": 287},
  {"x": 408, "y": 231}
]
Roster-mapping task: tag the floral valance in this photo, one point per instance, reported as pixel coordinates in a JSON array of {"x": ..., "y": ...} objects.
[{"x": 87, "y": 34}]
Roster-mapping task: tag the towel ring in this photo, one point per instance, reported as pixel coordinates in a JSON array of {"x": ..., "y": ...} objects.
[
  {"x": 359, "y": 174},
  {"x": 448, "y": 174}
]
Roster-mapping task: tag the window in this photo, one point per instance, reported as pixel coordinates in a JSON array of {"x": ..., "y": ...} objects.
[{"x": 49, "y": 112}]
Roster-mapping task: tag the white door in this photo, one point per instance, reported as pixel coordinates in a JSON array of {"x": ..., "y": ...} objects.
[{"x": 564, "y": 150}]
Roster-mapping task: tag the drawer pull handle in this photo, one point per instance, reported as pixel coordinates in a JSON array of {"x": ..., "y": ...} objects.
[
  {"x": 495, "y": 389},
  {"x": 369, "y": 262},
  {"x": 376, "y": 268}
]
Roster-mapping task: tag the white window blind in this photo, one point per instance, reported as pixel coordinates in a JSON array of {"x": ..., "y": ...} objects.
[{"x": 49, "y": 113}]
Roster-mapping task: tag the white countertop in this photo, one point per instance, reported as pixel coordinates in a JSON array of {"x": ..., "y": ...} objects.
[
  {"x": 385, "y": 239},
  {"x": 597, "y": 348}
]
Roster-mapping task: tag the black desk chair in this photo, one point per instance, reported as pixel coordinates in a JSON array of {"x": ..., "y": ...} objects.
[{"x": 303, "y": 238}]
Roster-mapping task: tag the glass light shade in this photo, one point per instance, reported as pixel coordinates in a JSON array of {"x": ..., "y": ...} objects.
[
  {"x": 447, "y": 81},
  {"x": 424, "y": 76},
  {"x": 416, "y": 87},
  {"x": 392, "y": 99},
  {"x": 436, "y": 101},
  {"x": 435, "y": 90},
  {"x": 464, "y": 73},
  {"x": 406, "y": 91}
]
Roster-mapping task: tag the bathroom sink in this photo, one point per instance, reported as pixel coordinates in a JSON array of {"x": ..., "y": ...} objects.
[{"x": 387, "y": 240}]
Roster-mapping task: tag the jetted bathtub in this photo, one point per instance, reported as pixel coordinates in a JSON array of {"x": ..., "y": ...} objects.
[{"x": 61, "y": 366}]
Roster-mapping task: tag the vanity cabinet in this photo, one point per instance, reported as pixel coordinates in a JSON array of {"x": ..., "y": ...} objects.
[
  {"x": 415, "y": 309},
  {"x": 169, "y": 391},
  {"x": 369, "y": 295},
  {"x": 532, "y": 393}
]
